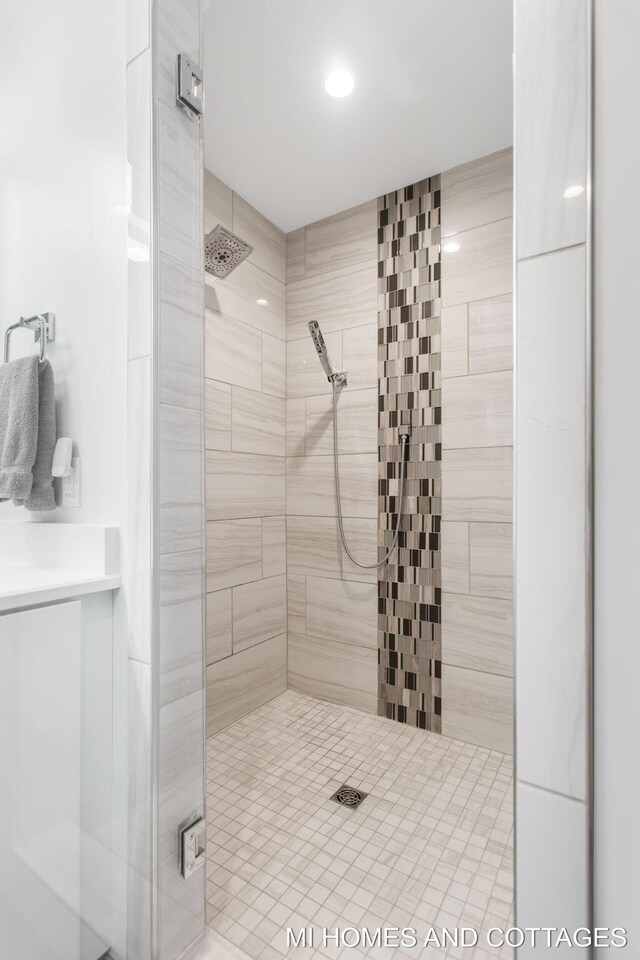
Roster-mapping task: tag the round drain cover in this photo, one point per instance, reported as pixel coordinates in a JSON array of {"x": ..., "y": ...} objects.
[{"x": 348, "y": 796}]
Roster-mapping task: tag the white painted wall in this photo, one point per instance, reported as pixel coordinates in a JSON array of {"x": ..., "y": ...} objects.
[
  {"x": 63, "y": 222},
  {"x": 617, "y": 466},
  {"x": 63, "y": 248}
]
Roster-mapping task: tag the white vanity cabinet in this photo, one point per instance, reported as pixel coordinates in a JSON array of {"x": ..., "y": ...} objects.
[{"x": 61, "y": 858}]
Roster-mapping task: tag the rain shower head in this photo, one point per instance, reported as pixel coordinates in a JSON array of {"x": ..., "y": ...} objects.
[{"x": 223, "y": 251}]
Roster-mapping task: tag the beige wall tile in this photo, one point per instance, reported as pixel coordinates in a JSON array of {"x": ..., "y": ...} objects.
[
  {"x": 259, "y": 612},
  {"x": 342, "y": 610},
  {"x": 338, "y": 672},
  {"x": 477, "y": 484},
  {"x": 217, "y": 415},
  {"x": 357, "y": 422},
  {"x": 218, "y": 625},
  {"x": 180, "y": 478},
  {"x": 268, "y": 242},
  {"x": 360, "y": 355},
  {"x": 311, "y": 491},
  {"x": 295, "y": 439},
  {"x": 453, "y": 341},
  {"x": 455, "y": 557},
  {"x": 242, "y": 683},
  {"x": 477, "y": 192},
  {"x": 362, "y": 537},
  {"x": 236, "y": 297},
  {"x": 347, "y": 238},
  {"x": 305, "y": 375},
  {"x": 477, "y": 633},
  {"x": 310, "y": 487},
  {"x": 274, "y": 554},
  {"x": 180, "y": 650},
  {"x": 180, "y": 576},
  {"x": 234, "y": 552},
  {"x": 491, "y": 559},
  {"x": 477, "y": 708},
  {"x": 274, "y": 354},
  {"x": 337, "y": 300},
  {"x": 312, "y": 546},
  {"x": 482, "y": 267},
  {"x": 359, "y": 484},
  {"x": 477, "y": 411},
  {"x": 217, "y": 203},
  {"x": 257, "y": 423},
  {"x": 319, "y": 425},
  {"x": 296, "y": 255},
  {"x": 244, "y": 485},
  {"x": 491, "y": 334},
  {"x": 296, "y": 603},
  {"x": 180, "y": 334},
  {"x": 233, "y": 351}
]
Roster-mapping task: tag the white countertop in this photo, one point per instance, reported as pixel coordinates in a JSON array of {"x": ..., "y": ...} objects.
[{"x": 46, "y": 562}]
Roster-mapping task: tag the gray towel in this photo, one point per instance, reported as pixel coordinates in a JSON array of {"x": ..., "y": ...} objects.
[{"x": 27, "y": 433}]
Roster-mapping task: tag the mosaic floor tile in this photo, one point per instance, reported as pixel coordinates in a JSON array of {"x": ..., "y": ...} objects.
[{"x": 430, "y": 846}]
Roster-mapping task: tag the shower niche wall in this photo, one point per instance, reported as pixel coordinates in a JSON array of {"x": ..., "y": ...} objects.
[{"x": 428, "y": 638}]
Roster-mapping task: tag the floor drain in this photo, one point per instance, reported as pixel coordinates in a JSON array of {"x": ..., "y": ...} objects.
[{"x": 348, "y": 796}]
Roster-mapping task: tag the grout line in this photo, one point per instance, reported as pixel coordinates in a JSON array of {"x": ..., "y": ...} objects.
[
  {"x": 486, "y": 673},
  {"x": 480, "y": 373},
  {"x": 550, "y": 253},
  {"x": 555, "y": 793}
]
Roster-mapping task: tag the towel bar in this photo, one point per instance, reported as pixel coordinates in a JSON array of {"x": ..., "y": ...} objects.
[{"x": 45, "y": 329}]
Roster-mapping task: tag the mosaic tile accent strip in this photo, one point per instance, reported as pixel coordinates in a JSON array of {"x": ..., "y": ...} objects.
[{"x": 409, "y": 601}]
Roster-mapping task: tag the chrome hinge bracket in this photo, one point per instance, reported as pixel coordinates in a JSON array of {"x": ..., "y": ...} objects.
[
  {"x": 192, "y": 847},
  {"x": 189, "y": 94}
]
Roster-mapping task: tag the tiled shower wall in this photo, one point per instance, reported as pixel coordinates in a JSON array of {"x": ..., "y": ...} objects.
[
  {"x": 332, "y": 621},
  {"x": 245, "y": 466},
  {"x": 331, "y": 277},
  {"x": 165, "y": 530},
  {"x": 477, "y": 453}
]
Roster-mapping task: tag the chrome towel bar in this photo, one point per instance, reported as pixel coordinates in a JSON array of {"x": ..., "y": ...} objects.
[{"x": 44, "y": 329}]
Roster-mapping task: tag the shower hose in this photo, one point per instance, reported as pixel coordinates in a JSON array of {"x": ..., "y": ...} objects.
[{"x": 404, "y": 439}]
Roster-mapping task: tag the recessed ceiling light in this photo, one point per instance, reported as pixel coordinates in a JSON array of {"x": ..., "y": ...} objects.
[
  {"x": 262, "y": 302},
  {"x": 452, "y": 247},
  {"x": 339, "y": 83},
  {"x": 572, "y": 192}
]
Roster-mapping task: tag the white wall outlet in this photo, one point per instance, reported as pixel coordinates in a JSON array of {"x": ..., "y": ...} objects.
[{"x": 71, "y": 486}]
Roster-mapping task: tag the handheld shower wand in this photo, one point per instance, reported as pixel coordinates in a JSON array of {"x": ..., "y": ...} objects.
[
  {"x": 323, "y": 353},
  {"x": 337, "y": 380}
]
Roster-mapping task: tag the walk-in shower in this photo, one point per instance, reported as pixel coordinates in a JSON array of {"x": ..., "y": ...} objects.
[{"x": 338, "y": 380}]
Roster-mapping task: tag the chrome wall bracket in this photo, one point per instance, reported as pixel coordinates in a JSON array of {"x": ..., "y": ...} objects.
[
  {"x": 189, "y": 93},
  {"x": 192, "y": 847},
  {"x": 44, "y": 331}
]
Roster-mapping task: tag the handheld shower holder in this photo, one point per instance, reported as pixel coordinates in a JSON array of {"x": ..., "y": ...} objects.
[
  {"x": 340, "y": 379},
  {"x": 404, "y": 430}
]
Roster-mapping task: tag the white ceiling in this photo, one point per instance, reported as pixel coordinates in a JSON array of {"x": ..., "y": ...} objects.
[{"x": 433, "y": 89}]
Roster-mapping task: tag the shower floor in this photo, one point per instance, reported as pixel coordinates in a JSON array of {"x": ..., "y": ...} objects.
[{"x": 430, "y": 846}]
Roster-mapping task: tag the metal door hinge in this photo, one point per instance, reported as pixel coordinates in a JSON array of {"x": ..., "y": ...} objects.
[
  {"x": 192, "y": 847},
  {"x": 189, "y": 95}
]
